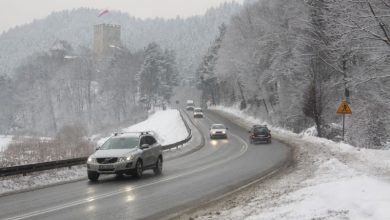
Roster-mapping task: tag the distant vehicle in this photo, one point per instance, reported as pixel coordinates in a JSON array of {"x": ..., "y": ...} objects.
[
  {"x": 198, "y": 113},
  {"x": 259, "y": 133},
  {"x": 218, "y": 131},
  {"x": 126, "y": 153},
  {"x": 190, "y": 105}
]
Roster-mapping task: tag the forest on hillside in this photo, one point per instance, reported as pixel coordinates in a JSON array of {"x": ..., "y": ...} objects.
[
  {"x": 43, "y": 89},
  {"x": 189, "y": 37},
  {"x": 292, "y": 62},
  {"x": 63, "y": 87}
]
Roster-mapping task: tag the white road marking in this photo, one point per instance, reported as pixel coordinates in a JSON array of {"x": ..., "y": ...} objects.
[{"x": 243, "y": 149}]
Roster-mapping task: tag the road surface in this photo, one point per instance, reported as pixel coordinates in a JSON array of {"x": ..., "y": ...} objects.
[{"x": 217, "y": 168}]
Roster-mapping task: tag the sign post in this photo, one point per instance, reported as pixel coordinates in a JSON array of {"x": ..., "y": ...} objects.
[{"x": 344, "y": 109}]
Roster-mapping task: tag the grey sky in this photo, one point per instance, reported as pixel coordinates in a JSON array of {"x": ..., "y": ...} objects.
[{"x": 18, "y": 12}]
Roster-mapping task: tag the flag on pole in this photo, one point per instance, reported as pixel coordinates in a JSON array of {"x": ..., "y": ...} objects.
[{"x": 103, "y": 12}]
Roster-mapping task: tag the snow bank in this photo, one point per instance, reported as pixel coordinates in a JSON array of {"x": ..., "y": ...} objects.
[
  {"x": 39, "y": 179},
  {"x": 4, "y": 141},
  {"x": 328, "y": 180},
  {"x": 167, "y": 125}
]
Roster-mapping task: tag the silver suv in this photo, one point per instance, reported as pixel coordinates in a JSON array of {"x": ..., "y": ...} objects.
[{"x": 126, "y": 153}]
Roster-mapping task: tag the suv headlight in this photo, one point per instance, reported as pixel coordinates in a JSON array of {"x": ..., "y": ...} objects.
[
  {"x": 126, "y": 159},
  {"x": 91, "y": 159}
]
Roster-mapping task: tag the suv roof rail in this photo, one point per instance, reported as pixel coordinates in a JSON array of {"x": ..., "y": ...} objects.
[
  {"x": 133, "y": 132},
  {"x": 259, "y": 126}
]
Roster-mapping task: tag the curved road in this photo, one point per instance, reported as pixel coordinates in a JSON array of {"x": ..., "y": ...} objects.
[{"x": 217, "y": 168}]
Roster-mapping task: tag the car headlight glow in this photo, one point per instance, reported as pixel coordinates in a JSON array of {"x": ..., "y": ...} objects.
[
  {"x": 127, "y": 158},
  {"x": 91, "y": 159}
]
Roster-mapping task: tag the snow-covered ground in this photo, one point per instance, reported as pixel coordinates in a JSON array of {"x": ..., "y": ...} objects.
[
  {"x": 168, "y": 125},
  {"x": 327, "y": 180},
  {"x": 4, "y": 141},
  {"x": 40, "y": 179}
]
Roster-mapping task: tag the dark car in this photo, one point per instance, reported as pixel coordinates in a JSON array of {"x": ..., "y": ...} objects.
[{"x": 259, "y": 133}]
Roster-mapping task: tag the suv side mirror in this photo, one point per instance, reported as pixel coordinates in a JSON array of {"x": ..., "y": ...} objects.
[
  {"x": 144, "y": 146},
  {"x": 249, "y": 131},
  {"x": 97, "y": 148}
]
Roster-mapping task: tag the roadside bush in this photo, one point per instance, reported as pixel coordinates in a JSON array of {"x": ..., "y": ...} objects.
[{"x": 70, "y": 142}]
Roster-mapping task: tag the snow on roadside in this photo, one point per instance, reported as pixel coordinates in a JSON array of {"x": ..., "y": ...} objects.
[
  {"x": 4, "y": 141},
  {"x": 328, "y": 180},
  {"x": 167, "y": 125},
  {"x": 39, "y": 179}
]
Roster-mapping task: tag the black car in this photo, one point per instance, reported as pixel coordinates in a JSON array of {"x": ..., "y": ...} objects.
[{"x": 259, "y": 133}]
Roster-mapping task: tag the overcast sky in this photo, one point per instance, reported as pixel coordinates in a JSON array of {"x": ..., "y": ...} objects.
[{"x": 17, "y": 12}]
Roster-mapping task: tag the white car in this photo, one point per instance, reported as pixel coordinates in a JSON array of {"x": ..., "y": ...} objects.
[
  {"x": 218, "y": 131},
  {"x": 190, "y": 105},
  {"x": 198, "y": 113}
]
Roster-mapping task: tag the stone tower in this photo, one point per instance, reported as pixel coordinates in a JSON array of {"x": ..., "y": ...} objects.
[{"x": 107, "y": 39}]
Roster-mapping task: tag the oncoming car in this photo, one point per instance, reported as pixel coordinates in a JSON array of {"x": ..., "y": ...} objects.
[
  {"x": 218, "y": 131},
  {"x": 198, "y": 113},
  {"x": 126, "y": 153},
  {"x": 190, "y": 105},
  {"x": 259, "y": 133}
]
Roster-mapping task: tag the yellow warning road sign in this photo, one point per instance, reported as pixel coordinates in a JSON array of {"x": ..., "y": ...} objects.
[{"x": 344, "y": 108}]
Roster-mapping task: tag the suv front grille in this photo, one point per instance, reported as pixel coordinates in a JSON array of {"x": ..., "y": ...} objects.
[{"x": 107, "y": 160}]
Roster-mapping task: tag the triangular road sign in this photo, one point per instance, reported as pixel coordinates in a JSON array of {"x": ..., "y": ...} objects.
[{"x": 344, "y": 108}]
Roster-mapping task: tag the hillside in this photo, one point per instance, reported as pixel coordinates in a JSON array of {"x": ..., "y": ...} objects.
[
  {"x": 291, "y": 63},
  {"x": 189, "y": 37}
]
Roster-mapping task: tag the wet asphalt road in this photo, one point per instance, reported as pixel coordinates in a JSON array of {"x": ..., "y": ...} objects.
[{"x": 218, "y": 167}]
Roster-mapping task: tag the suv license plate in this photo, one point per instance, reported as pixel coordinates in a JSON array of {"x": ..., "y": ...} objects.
[{"x": 106, "y": 167}]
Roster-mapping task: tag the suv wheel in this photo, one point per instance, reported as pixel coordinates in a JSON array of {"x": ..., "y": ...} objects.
[
  {"x": 158, "y": 168},
  {"x": 93, "y": 176},
  {"x": 138, "y": 169}
]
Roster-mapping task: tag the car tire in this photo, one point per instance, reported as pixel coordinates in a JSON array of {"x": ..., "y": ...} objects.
[
  {"x": 93, "y": 176},
  {"x": 269, "y": 141},
  {"x": 159, "y": 165},
  {"x": 137, "y": 173},
  {"x": 211, "y": 137}
]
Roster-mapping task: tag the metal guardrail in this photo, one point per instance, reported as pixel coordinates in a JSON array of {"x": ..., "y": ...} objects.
[{"x": 29, "y": 168}]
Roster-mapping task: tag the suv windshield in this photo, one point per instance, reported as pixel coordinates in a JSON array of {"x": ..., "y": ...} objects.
[
  {"x": 218, "y": 127},
  {"x": 120, "y": 143},
  {"x": 198, "y": 110},
  {"x": 260, "y": 130}
]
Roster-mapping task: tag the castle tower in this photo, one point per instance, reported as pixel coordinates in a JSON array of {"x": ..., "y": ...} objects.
[{"x": 107, "y": 38}]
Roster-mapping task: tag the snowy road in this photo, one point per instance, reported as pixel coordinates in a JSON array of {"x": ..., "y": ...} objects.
[{"x": 219, "y": 167}]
